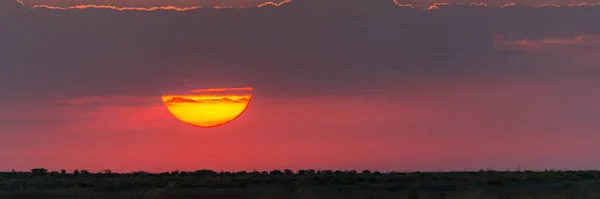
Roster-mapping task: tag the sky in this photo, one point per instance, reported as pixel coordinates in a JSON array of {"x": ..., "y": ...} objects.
[{"x": 336, "y": 85}]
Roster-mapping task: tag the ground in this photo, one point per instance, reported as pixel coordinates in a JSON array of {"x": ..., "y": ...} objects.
[{"x": 309, "y": 184}]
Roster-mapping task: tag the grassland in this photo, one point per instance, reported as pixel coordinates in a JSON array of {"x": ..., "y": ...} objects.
[{"x": 309, "y": 184}]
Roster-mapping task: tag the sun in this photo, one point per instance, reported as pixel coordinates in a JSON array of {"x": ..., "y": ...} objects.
[{"x": 208, "y": 107}]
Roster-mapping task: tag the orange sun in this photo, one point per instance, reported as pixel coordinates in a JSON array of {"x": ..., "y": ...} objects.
[{"x": 208, "y": 107}]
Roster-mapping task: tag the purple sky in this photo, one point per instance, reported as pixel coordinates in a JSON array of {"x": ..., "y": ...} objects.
[{"x": 359, "y": 86}]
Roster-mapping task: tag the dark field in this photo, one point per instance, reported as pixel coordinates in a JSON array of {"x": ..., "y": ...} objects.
[{"x": 301, "y": 184}]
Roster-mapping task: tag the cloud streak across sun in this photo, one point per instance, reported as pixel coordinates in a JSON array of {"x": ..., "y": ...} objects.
[
  {"x": 221, "y": 89},
  {"x": 423, "y": 5},
  {"x": 174, "y": 100}
]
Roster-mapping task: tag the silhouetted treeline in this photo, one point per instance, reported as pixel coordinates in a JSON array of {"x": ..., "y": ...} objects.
[
  {"x": 204, "y": 173},
  {"x": 287, "y": 183},
  {"x": 216, "y": 179}
]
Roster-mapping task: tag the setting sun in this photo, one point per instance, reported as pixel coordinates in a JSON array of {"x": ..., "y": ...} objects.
[{"x": 208, "y": 107}]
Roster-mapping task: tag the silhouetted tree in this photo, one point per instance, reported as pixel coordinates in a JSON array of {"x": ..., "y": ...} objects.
[
  {"x": 254, "y": 173},
  {"x": 225, "y": 174},
  {"x": 205, "y": 173},
  {"x": 326, "y": 172},
  {"x": 40, "y": 171},
  {"x": 288, "y": 172},
  {"x": 276, "y": 172},
  {"x": 53, "y": 173}
]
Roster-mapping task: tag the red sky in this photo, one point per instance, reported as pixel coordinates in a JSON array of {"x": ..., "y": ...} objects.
[
  {"x": 491, "y": 125},
  {"x": 354, "y": 87}
]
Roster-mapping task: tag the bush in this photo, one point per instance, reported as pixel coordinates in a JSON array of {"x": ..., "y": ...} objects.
[{"x": 40, "y": 171}]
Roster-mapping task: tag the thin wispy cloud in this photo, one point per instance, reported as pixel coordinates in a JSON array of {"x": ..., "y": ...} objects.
[
  {"x": 423, "y": 5},
  {"x": 581, "y": 47},
  {"x": 547, "y": 43},
  {"x": 81, "y": 7}
]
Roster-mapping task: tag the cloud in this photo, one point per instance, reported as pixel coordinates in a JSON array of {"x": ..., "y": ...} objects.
[
  {"x": 78, "y": 7},
  {"x": 584, "y": 4},
  {"x": 403, "y": 5},
  {"x": 512, "y": 4},
  {"x": 270, "y": 3},
  {"x": 436, "y": 6},
  {"x": 126, "y": 101},
  {"x": 187, "y": 5},
  {"x": 298, "y": 49},
  {"x": 540, "y": 44},
  {"x": 155, "y": 3},
  {"x": 146, "y": 8},
  {"x": 95, "y": 101},
  {"x": 580, "y": 46},
  {"x": 221, "y": 89},
  {"x": 173, "y": 100},
  {"x": 549, "y": 5},
  {"x": 474, "y": 4},
  {"x": 180, "y": 100}
]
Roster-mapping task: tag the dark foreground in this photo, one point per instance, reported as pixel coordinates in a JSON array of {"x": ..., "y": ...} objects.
[{"x": 301, "y": 184}]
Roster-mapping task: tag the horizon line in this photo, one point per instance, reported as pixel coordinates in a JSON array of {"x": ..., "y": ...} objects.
[{"x": 296, "y": 171}]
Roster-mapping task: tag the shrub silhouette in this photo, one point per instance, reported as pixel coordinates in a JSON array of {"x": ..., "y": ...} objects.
[{"x": 276, "y": 173}]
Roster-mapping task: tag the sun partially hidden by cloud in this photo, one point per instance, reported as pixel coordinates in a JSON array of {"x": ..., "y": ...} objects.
[{"x": 208, "y": 110}]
